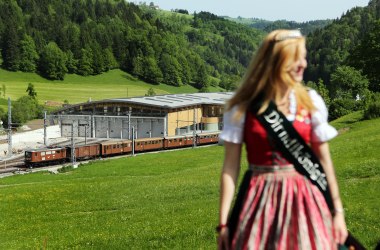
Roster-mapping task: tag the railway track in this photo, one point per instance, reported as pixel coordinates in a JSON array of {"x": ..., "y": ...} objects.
[{"x": 16, "y": 165}]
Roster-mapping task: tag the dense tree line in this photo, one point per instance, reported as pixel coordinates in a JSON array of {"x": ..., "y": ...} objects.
[
  {"x": 268, "y": 26},
  {"x": 88, "y": 37},
  {"x": 350, "y": 40},
  {"x": 344, "y": 56}
]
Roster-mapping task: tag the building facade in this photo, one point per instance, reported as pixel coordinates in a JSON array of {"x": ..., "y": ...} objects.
[{"x": 148, "y": 116}]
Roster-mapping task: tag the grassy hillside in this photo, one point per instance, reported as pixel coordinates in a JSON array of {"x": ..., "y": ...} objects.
[
  {"x": 130, "y": 203},
  {"x": 76, "y": 89}
]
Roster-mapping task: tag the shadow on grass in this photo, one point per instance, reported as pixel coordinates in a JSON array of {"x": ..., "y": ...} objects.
[{"x": 129, "y": 77}]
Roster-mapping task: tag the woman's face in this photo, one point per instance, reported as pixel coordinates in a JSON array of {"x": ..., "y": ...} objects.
[{"x": 299, "y": 66}]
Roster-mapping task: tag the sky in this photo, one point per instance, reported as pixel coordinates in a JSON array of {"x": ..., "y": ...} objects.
[{"x": 290, "y": 10}]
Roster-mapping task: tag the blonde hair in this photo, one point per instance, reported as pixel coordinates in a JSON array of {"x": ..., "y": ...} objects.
[{"x": 269, "y": 71}]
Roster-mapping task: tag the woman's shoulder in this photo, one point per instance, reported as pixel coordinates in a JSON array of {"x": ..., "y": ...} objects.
[
  {"x": 315, "y": 97},
  {"x": 233, "y": 126},
  {"x": 231, "y": 116},
  {"x": 322, "y": 131}
]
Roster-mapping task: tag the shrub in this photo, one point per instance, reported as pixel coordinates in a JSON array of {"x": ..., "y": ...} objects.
[
  {"x": 341, "y": 107},
  {"x": 372, "y": 111},
  {"x": 65, "y": 169}
]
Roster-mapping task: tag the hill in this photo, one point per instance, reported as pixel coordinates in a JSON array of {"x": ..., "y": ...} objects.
[
  {"x": 350, "y": 40},
  {"x": 94, "y": 36},
  {"x": 268, "y": 26},
  {"x": 166, "y": 200},
  {"x": 76, "y": 89}
]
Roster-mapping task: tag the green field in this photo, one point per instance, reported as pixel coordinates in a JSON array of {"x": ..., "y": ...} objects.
[
  {"x": 167, "y": 200},
  {"x": 77, "y": 89}
]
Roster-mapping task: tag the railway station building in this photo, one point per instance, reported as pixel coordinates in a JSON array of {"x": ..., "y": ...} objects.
[{"x": 146, "y": 117}]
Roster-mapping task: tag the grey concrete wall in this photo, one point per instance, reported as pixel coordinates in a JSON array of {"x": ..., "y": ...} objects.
[{"x": 112, "y": 127}]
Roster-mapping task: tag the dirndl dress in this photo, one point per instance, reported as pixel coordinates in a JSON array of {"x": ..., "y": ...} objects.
[{"x": 276, "y": 207}]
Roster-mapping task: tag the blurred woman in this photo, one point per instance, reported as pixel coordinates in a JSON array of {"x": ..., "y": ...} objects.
[{"x": 277, "y": 207}]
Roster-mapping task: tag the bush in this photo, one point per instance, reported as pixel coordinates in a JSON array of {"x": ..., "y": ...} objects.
[
  {"x": 372, "y": 111},
  {"x": 65, "y": 169},
  {"x": 341, "y": 107}
]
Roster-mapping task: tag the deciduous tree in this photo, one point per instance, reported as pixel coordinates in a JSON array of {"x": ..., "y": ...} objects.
[{"x": 52, "y": 64}]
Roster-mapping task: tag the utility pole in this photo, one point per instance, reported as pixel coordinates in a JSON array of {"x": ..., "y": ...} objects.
[
  {"x": 72, "y": 145},
  {"x": 9, "y": 128},
  {"x": 194, "y": 130},
  {"x": 129, "y": 124},
  {"x": 45, "y": 140},
  {"x": 133, "y": 140},
  {"x": 85, "y": 134}
]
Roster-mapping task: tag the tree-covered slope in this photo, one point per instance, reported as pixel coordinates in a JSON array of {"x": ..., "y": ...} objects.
[
  {"x": 89, "y": 37},
  {"x": 334, "y": 45},
  {"x": 267, "y": 26}
]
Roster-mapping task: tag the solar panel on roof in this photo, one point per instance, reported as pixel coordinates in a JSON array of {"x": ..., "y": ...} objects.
[
  {"x": 195, "y": 97},
  {"x": 172, "y": 98},
  {"x": 185, "y": 98}
]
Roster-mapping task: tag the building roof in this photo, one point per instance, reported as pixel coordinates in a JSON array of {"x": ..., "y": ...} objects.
[
  {"x": 164, "y": 101},
  {"x": 177, "y": 100}
]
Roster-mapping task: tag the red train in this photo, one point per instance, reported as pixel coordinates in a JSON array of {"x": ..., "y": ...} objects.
[{"x": 47, "y": 156}]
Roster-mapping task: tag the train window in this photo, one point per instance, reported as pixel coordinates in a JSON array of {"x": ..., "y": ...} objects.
[
  {"x": 180, "y": 140},
  {"x": 53, "y": 152},
  {"x": 138, "y": 144},
  {"x": 145, "y": 143},
  {"x": 175, "y": 140},
  {"x": 42, "y": 153},
  {"x": 35, "y": 154},
  {"x": 129, "y": 144}
]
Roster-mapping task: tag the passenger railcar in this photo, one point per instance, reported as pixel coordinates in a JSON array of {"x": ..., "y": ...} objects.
[
  {"x": 207, "y": 138},
  {"x": 115, "y": 147},
  {"x": 46, "y": 156},
  {"x": 178, "y": 141},
  {"x": 149, "y": 144}
]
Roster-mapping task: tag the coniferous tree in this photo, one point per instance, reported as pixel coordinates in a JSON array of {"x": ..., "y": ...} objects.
[
  {"x": 10, "y": 48},
  {"x": 109, "y": 60},
  {"x": 98, "y": 65},
  {"x": 170, "y": 70},
  {"x": 28, "y": 54},
  {"x": 71, "y": 62},
  {"x": 151, "y": 72},
  {"x": 85, "y": 62},
  {"x": 31, "y": 91},
  {"x": 366, "y": 56}
]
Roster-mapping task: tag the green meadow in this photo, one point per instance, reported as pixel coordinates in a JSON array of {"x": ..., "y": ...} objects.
[
  {"x": 77, "y": 89},
  {"x": 166, "y": 200}
]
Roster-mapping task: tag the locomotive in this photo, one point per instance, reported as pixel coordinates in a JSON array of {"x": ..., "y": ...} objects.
[{"x": 57, "y": 155}]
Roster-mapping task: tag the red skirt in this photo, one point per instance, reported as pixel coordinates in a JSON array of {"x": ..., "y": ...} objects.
[{"x": 278, "y": 208}]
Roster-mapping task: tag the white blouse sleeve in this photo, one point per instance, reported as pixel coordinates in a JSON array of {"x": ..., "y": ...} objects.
[
  {"x": 321, "y": 130},
  {"x": 232, "y": 130}
]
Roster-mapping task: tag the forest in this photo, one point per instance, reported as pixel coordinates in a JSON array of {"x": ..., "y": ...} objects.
[
  {"x": 344, "y": 59},
  {"x": 88, "y": 37}
]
